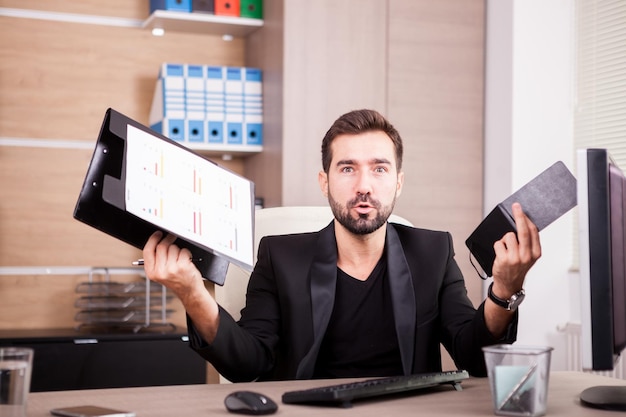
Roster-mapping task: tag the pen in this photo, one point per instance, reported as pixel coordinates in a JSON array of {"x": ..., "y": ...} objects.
[
  {"x": 139, "y": 262},
  {"x": 513, "y": 397}
]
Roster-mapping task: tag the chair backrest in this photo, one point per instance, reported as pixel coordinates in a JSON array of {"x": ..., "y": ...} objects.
[{"x": 274, "y": 221}]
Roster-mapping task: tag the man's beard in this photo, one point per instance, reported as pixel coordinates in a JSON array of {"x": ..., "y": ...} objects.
[{"x": 361, "y": 225}]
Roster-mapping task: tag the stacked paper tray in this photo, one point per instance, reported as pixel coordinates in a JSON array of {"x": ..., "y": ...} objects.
[
  {"x": 106, "y": 302},
  {"x": 117, "y": 288},
  {"x": 133, "y": 305},
  {"x": 118, "y": 317}
]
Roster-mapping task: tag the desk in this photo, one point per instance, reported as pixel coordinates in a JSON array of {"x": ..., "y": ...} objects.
[{"x": 208, "y": 400}]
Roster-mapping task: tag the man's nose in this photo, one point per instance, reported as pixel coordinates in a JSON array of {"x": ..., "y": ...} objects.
[{"x": 364, "y": 183}]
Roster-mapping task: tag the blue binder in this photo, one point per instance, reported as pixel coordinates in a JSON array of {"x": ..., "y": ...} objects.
[
  {"x": 234, "y": 105},
  {"x": 194, "y": 103},
  {"x": 214, "y": 104},
  {"x": 253, "y": 107},
  {"x": 173, "y": 5},
  {"x": 167, "y": 115}
]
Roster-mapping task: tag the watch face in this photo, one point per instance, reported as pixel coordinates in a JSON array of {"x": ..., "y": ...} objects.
[{"x": 516, "y": 299}]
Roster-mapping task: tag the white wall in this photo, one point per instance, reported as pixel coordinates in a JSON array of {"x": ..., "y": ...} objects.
[{"x": 528, "y": 126}]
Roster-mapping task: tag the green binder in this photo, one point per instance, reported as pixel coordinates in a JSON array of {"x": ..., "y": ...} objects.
[{"x": 252, "y": 9}]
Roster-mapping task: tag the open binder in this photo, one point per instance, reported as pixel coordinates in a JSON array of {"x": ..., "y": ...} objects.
[{"x": 139, "y": 182}]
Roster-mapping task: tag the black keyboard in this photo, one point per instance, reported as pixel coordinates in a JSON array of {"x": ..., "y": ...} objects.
[{"x": 344, "y": 394}]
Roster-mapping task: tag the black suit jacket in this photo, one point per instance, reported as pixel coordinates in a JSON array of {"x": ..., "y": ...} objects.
[{"x": 290, "y": 299}]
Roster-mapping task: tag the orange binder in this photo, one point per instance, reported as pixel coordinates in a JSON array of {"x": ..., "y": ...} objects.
[{"x": 227, "y": 7}]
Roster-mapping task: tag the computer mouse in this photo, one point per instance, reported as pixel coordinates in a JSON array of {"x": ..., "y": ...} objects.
[{"x": 249, "y": 402}]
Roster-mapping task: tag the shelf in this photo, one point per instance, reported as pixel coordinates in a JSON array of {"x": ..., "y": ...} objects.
[
  {"x": 68, "y": 270},
  {"x": 224, "y": 151},
  {"x": 70, "y": 17},
  {"x": 202, "y": 23}
]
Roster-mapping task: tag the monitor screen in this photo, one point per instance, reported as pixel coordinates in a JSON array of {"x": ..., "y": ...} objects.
[
  {"x": 602, "y": 233},
  {"x": 139, "y": 182},
  {"x": 601, "y": 245},
  {"x": 185, "y": 194}
]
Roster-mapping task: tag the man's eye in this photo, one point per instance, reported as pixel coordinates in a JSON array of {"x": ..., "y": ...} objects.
[
  {"x": 380, "y": 170},
  {"x": 347, "y": 169}
]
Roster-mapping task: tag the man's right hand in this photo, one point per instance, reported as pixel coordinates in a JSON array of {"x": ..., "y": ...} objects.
[{"x": 167, "y": 264}]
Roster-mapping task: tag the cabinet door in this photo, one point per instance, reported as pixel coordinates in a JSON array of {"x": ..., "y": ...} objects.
[{"x": 65, "y": 365}]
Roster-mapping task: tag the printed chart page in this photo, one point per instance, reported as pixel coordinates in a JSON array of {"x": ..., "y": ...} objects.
[{"x": 189, "y": 196}]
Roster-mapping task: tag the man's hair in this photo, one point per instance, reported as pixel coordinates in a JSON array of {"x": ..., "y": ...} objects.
[{"x": 359, "y": 121}]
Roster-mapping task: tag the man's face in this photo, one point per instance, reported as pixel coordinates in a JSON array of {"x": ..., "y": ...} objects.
[{"x": 363, "y": 182}]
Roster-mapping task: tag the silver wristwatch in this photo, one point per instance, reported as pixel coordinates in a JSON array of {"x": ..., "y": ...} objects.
[{"x": 510, "y": 304}]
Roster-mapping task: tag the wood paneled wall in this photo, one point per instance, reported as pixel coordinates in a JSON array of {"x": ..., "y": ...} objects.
[
  {"x": 56, "y": 81},
  {"x": 435, "y": 99},
  {"x": 420, "y": 62}
]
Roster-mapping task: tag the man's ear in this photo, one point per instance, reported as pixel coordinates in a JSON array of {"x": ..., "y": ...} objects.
[
  {"x": 400, "y": 183},
  {"x": 322, "y": 179}
]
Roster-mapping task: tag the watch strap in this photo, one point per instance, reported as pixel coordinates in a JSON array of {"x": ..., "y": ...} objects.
[
  {"x": 497, "y": 300},
  {"x": 510, "y": 304}
]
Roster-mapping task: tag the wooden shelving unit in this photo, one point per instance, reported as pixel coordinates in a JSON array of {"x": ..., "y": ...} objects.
[
  {"x": 208, "y": 24},
  {"x": 202, "y": 23}
]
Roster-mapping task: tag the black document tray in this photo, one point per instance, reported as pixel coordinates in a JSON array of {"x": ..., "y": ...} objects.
[{"x": 101, "y": 201}]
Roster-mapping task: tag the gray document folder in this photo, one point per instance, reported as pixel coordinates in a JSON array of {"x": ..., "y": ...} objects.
[{"x": 544, "y": 199}]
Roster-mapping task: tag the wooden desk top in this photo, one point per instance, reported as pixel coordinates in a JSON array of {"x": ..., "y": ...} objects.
[{"x": 208, "y": 400}]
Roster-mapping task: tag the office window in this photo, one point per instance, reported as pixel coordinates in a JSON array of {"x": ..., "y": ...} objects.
[
  {"x": 600, "y": 110},
  {"x": 600, "y": 118}
]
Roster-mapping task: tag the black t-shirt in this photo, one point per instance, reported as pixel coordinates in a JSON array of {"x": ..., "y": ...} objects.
[{"x": 361, "y": 337}]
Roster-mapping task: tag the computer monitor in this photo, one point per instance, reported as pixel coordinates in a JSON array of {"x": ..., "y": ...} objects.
[
  {"x": 602, "y": 233},
  {"x": 139, "y": 181}
]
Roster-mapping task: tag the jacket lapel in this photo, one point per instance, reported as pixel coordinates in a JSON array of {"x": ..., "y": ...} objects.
[
  {"x": 323, "y": 284},
  {"x": 403, "y": 297},
  {"x": 323, "y": 276}
]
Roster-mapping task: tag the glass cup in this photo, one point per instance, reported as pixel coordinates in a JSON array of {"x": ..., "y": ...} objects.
[
  {"x": 518, "y": 378},
  {"x": 16, "y": 364}
]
